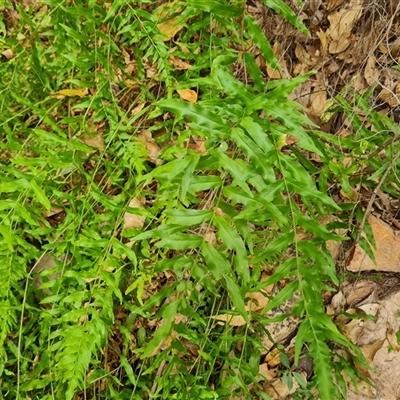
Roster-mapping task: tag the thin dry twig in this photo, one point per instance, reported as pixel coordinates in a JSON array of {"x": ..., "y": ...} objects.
[
  {"x": 388, "y": 142},
  {"x": 374, "y": 194},
  {"x": 159, "y": 373}
]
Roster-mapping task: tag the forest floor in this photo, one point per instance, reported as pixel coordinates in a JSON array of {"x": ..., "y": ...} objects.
[{"x": 192, "y": 211}]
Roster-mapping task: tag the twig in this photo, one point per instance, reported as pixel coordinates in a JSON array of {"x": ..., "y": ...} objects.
[
  {"x": 159, "y": 373},
  {"x": 373, "y": 197},
  {"x": 388, "y": 142}
]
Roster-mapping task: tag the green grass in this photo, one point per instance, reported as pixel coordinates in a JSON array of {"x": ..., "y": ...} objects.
[{"x": 125, "y": 311}]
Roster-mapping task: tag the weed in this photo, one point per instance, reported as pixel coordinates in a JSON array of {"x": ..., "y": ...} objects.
[{"x": 225, "y": 204}]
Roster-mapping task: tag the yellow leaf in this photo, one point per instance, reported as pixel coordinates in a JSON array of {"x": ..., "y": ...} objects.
[
  {"x": 72, "y": 93},
  {"x": 169, "y": 27},
  {"x": 188, "y": 95}
]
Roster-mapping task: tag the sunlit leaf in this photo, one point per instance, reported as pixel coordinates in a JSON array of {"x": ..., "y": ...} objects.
[{"x": 188, "y": 95}]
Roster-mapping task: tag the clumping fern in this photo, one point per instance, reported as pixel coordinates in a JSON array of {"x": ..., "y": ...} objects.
[{"x": 127, "y": 312}]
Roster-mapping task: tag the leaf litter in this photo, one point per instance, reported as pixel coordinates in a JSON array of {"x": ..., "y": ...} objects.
[{"x": 330, "y": 60}]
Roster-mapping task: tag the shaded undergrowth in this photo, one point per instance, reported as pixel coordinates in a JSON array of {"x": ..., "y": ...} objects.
[{"x": 224, "y": 199}]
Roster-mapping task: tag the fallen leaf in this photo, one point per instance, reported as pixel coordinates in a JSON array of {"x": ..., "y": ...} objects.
[
  {"x": 318, "y": 99},
  {"x": 188, "y": 95},
  {"x": 371, "y": 73},
  {"x": 96, "y": 141},
  {"x": 341, "y": 25},
  {"x": 54, "y": 211},
  {"x": 185, "y": 49},
  {"x": 169, "y": 27},
  {"x": 266, "y": 372},
  {"x": 359, "y": 291},
  {"x": 151, "y": 146},
  {"x": 256, "y": 302},
  {"x": 331, "y": 4},
  {"x": 290, "y": 139},
  {"x": 273, "y": 358},
  {"x": 278, "y": 53},
  {"x": 137, "y": 109},
  {"x": 363, "y": 389},
  {"x": 132, "y": 220},
  {"x": 151, "y": 70},
  {"x": 391, "y": 337},
  {"x": 324, "y": 42},
  {"x": 199, "y": 147},
  {"x": 353, "y": 329},
  {"x": 8, "y": 53},
  {"x": 305, "y": 57},
  {"x": 386, "y": 253},
  {"x": 71, "y": 93},
  {"x": 277, "y": 390},
  {"x": 179, "y": 64},
  {"x": 232, "y": 320},
  {"x": 369, "y": 350}
]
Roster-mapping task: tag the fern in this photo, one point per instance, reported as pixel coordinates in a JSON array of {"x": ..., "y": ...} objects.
[
  {"x": 221, "y": 223},
  {"x": 78, "y": 345}
]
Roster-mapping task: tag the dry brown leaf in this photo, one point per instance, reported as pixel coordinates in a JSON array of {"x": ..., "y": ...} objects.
[
  {"x": 324, "y": 42},
  {"x": 257, "y": 301},
  {"x": 391, "y": 337},
  {"x": 318, "y": 99},
  {"x": 275, "y": 74},
  {"x": 290, "y": 139},
  {"x": 232, "y": 320},
  {"x": 199, "y": 146},
  {"x": 130, "y": 64},
  {"x": 331, "y": 4},
  {"x": 45, "y": 263},
  {"x": 338, "y": 301},
  {"x": 341, "y": 25},
  {"x": 369, "y": 350},
  {"x": 266, "y": 372},
  {"x": 359, "y": 291},
  {"x": 363, "y": 388},
  {"x": 169, "y": 27},
  {"x": 305, "y": 57},
  {"x": 218, "y": 212},
  {"x": 354, "y": 329},
  {"x": 394, "y": 48},
  {"x": 132, "y": 220},
  {"x": 151, "y": 146},
  {"x": 188, "y": 95},
  {"x": 8, "y": 53},
  {"x": 371, "y": 73},
  {"x": 151, "y": 70},
  {"x": 386, "y": 253},
  {"x": 137, "y": 109},
  {"x": 96, "y": 141},
  {"x": 277, "y": 390},
  {"x": 54, "y": 211},
  {"x": 390, "y": 97},
  {"x": 179, "y": 64}
]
